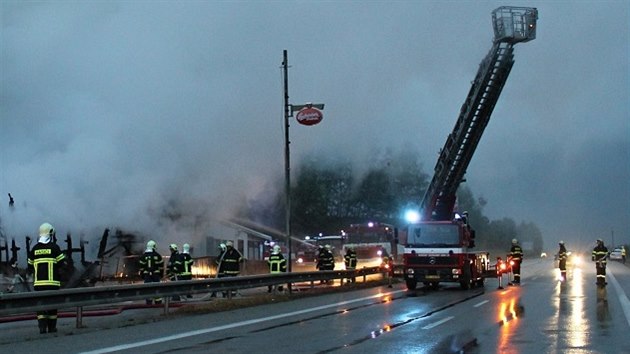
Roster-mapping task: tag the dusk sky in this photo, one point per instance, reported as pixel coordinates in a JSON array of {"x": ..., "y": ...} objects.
[{"x": 112, "y": 112}]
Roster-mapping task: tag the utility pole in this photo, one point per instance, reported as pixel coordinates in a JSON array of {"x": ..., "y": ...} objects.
[
  {"x": 308, "y": 114},
  {"x": 287, "y": 160}
]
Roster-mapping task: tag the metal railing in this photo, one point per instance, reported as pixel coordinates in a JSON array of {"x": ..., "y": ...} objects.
[{"x": 29, "y": 302}]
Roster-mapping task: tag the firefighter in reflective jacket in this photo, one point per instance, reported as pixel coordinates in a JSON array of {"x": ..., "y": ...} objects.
[
  {"x": 277, "y": 264},
  {"x": 562, "y": 261},
  {"x": 173, "y": 267},
  {"x": 151, "y": 268},
  {"x": 325, "y": 260},
  {"x": 516, "y": 256},
  {"x": 230, "y": 265},
  {"x": 350, "y": 261},
  {"x": 184, "y": 265},
  {"x": 45, "y": 261},
  {"x": 599, "y": 255}
]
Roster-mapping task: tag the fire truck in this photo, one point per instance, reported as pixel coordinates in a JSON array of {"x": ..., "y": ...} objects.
[
  {"x": 372, "y": 241},
  {"x": 438, "y": 247}
]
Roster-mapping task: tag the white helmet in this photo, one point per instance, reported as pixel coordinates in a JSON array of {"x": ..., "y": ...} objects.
[
  {"x": 514, "y": 241},
  {"x": 276, "y": 249},
  {"x": 328, "y": 247},
  {"x": 229, "y": 244},
  {"x": 46, "y": 229},
  {"x": 222, "y": 246},
  {"x": 561, "y": 242},
  {"x": 172, "y": 247},
  {"x": 186, "y": 248},
  {"x": 151, "y": 245}
]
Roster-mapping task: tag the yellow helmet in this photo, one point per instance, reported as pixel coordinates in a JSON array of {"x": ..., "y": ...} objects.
[{"x": 173, "y": 247}]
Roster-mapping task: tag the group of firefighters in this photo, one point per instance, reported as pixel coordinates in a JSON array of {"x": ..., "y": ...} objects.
[
  {"x": 599, "y": 255},
  {"x": 151, "y": 266},
  {"x": 46, "y": 259}
]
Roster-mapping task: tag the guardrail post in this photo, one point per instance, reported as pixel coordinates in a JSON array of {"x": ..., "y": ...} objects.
[
  {"x": 79, "y": 323},
  {"x": 364, "y": 275},
  {"x": 166, "y": 303}
]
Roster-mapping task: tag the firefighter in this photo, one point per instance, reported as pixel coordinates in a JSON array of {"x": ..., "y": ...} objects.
[
  {"x": 230, "y": 263},
  {"x": 562, "y": 261},
  {"x": 516, "y": 256},
  {"x": 173, "y": 266},
  {"x": 350, "y": 260},
  {"x": 599, "y": 255},
  {"x": 623, "y": 254},
  {"x": 325, "y": 260},
  {"x": 277, "y": 264},
  {"x": 184, "y": 265},
  {"x": 45, "y": 261},
  {"x": 220, "y": 273},
  {"x": 151, "y": 268}
]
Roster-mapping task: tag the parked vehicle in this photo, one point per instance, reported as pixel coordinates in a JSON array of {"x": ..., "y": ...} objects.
[{"x": 615, "y": 254}]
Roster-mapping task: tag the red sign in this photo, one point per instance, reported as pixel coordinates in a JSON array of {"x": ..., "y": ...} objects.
[{"x": 309, "y": 116}]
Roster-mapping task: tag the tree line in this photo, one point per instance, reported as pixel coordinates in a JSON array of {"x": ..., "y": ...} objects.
[{"x": 330, "y": 193}]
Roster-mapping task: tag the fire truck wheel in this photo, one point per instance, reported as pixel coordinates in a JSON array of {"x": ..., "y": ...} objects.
[
  {"x": 480, "y": 282},
  {"x": 411, "y": 284}
]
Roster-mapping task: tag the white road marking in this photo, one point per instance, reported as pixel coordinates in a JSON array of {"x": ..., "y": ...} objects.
[
  {"x": 481, "y": 303},
  {"x": 623, "y": 298},
  {"x": 435, "y": 324},
  {"x": 232, "y": 325}
]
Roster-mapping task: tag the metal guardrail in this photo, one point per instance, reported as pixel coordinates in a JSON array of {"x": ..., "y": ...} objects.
[{"x": 29, "y": 302}]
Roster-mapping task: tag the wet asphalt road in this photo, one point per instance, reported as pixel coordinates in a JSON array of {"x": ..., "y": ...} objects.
[{"x": 542, "y": 315}]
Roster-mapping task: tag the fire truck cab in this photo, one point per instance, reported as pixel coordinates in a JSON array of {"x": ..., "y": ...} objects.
[{"x": 438, "y": 251}]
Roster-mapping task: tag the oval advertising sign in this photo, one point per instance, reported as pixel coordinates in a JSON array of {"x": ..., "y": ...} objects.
[{"x": 309, "y": 116}]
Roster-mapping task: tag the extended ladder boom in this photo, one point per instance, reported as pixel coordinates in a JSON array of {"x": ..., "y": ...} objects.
[{"x": 511, "y": 25}]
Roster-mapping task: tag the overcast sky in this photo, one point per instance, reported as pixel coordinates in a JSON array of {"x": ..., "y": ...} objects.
[{"x": 110, "y": 111}]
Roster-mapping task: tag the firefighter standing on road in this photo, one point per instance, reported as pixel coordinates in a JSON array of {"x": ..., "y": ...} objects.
[
  {"x": 184, "y": 265},
  {"x": 45, "y": 260},
  {"x": 562, "y": 261},
  {"x": 277, "y": 264},
  {"x": 230, "y": 265},
  {"x": 599, "y": 255},
  {"x": 325, "y": 260},
  {"x": 151, "y": 268},
  {"x": 220, "y": 271},
  {"x": 173, "y": 266},
  {"x": 350, "y": 260},
  {"x": 516, "y": 255}
]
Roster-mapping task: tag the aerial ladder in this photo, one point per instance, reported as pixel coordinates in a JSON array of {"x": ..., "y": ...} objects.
[
  {"x": 431, "y": 238},
  {"x": 511, "y": 25}
]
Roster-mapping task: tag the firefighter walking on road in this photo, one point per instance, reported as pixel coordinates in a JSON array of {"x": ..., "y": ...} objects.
[
  {"x": 277, "y": 264},
  {"x": 562, "y": 261},
  {"x": 599, "y": 255},
  {"x": 516, "y": 256},
  {"x": 151, "y": 268},
  {"x": 45, "y": 261}
]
